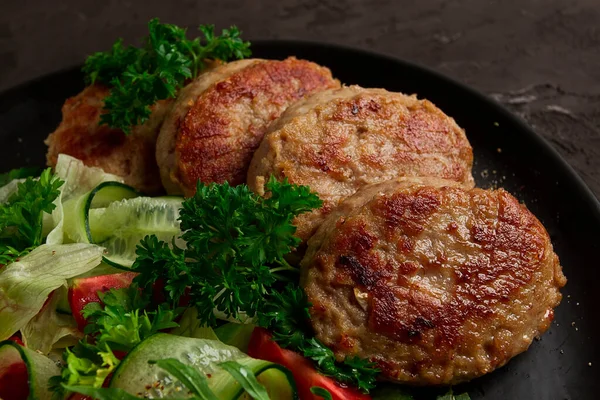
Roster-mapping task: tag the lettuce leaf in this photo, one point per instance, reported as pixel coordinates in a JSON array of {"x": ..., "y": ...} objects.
[
  {"x": 26, "y": 284},
  {"x": 7, "y": 190},
  {"x": 50, "y": 329}
]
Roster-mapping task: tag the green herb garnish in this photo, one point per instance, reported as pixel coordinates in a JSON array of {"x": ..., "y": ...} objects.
[
  {"x": 286, "y": 315},
  {"x": 21, "y": 217},
  {"x": 140, "y": 76},
  {"x": 236, "y": 243},
  {"x": 19, "y": 173},
  {"x": 119, "y": 323}
]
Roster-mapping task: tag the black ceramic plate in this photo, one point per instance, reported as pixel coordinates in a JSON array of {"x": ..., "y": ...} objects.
[{"x": 565, "y": 362}]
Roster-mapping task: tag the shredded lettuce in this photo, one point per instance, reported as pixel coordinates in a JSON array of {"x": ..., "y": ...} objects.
[
  {"x": 26, "y": 284},
  {"x": 49, "y": 329},
  {"x": 7, "y": 190},
  {"x": 79, "y": 179}
]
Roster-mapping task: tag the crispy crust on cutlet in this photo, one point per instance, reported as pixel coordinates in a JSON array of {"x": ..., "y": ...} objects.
[
  {"x": 167, "y": 139},
  {"x": 435, "y": 283},
  {"x": 129, "y": 156},
  {"x": 339, "y": 140},
  {"x": 224, "y": 123}
]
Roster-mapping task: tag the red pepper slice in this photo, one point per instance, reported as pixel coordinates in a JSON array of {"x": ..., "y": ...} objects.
[
  {"x": 85, "y": 290},
  {"x": 306, "y": 376}
]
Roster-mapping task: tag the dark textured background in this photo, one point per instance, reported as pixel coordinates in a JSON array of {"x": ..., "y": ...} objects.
[{"x": 541, "y": 58}]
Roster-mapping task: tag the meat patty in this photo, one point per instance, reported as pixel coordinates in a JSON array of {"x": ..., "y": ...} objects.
[
  {"x": 339, "y": 140},
  {"x": 435, "y": 283},
  {"x": 220, "y": 118},
  {"x": 129, "y": 156}
]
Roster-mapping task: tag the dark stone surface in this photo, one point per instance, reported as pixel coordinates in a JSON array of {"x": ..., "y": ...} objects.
[{"x": 541, "y": 58}]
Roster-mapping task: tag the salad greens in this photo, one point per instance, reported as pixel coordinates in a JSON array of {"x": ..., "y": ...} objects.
[
  {"x": 187, "y": 363},
  {"x": 140, "y": 76},
  {"x": 119, "y": 325},
  {"x": 21, "y": 217},
  {"x": 50, "y": 328},
  {"x": 78, "y": 180},
  {"x": 123, "y": 320},
  {"x": 236, "y": 242},
  {"x": 26, "y": 284},
  {"x": 246, "y": 378},
  {"x": 286, "y": 314}
]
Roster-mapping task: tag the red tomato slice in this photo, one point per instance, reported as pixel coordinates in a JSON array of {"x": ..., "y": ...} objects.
[
  {"x": 306, "y": 376},
  {"x": 85, "y": 290},
  {"x": 14, "y": 382},
  {"x": 14, "y": 378},
  {"x": 17, "y": 340},
  {"x": 159, "y": 297}
]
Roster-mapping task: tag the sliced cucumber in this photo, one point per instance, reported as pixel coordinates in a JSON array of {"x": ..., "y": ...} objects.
[
  {"x": 113, "y": 216},
  {"x": 135, "y": 375},
  {"x": 39, "y": 368},
  {"x": 234, "y": 334},
  {"x": 120, "y": 226},
  {"x": 76, "y": 209}
]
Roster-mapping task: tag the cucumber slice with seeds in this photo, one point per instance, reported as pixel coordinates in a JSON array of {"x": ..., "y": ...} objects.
[
  {"x": 76, "y": 224},
  {"x": 120, "y": 226},
  {"x": 113, "y": 215}
]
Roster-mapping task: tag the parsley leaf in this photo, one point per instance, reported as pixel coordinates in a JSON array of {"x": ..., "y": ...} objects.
[
  {"x": 236, "y": 242},
  {"x": 19, "y": 173},
  {"x": 124, "y": 319},
  {"x": 321, "y": 392},
  {"x": 22, "y": 215},
  {"x": 284, "y": 313},
  {"x": 121, "y": 321},
  {"x": 139, "y": 77}
]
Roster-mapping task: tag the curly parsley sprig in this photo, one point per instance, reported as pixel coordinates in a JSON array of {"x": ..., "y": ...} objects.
[
  {"x": 141, "y": 76},
  {"x": 236, "y": 243}
]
